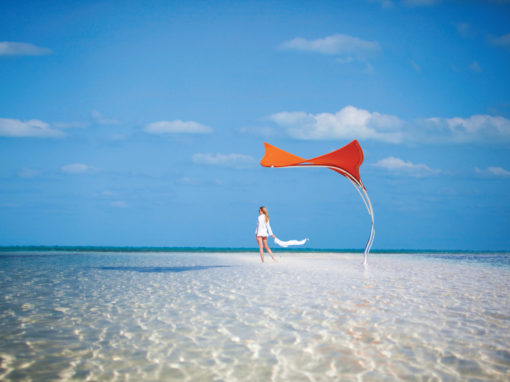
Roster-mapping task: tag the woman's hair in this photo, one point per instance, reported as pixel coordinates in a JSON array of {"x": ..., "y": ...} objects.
[{"x": 264, "y": 211}]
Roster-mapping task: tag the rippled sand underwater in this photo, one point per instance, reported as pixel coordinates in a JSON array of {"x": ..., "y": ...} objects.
[{"x": 227, "y": 317}]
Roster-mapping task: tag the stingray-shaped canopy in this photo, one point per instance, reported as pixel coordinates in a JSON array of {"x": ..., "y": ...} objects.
[{"x": 346, "y": 161}]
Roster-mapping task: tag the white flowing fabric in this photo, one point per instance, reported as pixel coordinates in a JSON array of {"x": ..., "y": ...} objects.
[{"x": 285, "y": 244}]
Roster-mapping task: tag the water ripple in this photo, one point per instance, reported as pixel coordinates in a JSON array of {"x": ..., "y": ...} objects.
[{"x": 311, "y": 317}]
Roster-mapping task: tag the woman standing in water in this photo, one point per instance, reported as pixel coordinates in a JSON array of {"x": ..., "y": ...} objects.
[{"x": 262, "y": 231}]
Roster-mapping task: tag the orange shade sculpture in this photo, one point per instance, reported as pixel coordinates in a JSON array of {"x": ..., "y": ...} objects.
[{"x": 346, "y": 161}]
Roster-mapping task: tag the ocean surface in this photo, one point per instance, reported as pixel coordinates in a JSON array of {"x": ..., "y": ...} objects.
[{"x": 198, "y": 315}]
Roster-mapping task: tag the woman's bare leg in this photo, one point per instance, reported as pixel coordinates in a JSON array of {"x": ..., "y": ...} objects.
[
  {"x": 268, "y": 249},
  {"x": 259, "y": 240}
]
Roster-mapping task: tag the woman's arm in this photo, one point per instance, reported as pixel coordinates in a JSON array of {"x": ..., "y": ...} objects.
[{"x": 269, "y": 230}]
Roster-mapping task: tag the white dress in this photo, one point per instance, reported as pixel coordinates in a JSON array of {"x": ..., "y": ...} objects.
[{"x": 263, "y": 228}]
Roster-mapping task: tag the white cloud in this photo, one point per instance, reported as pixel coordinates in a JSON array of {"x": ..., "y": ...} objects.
[
  {"x": 28, "y": 173},
  {"x": 415, "y": 66},
  {"x": 177, "y": 126},
  {"x": 9, "y": 48},
  {"x": 463, "y": 29},
  {"x": 419, "y": 3},
  {"x": 336, "y": 44},
  {"x": 478, "y": 128},
  {"x": 70, "y": 125},
  {"x": 100, "y": 119},
  {"x": 348, "y": 123},
  {"x": 187, "y": 181},
  {"x": 260, "y": 131},
  {"x": 25, "y": 129},
  {"x": 427, "y": 3},
  {"x": 10, "y": 205},
  {"x": 119, "y": 204},
  {"x": 400, "y": 166},
  {"x": 228, "y": 160},
  {"x": 107, "y": 194},
  {"x": 117, "y": 137},
  {"x": 503, "y": 41},
  {"x": 475, "y": 67},
  {"x": 499, "y": 172},
  {"x": 369, "y": 69},
  {"x": 77, "y": 168},
  {"x": 383, "y": 3},
  {"x": 480, "y": 124},
  {"x": 353, "y": 123},
  {"x": 344, "y": 60}
]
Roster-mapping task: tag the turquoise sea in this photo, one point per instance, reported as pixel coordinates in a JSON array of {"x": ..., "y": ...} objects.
[{"x": 196, "y": 314}]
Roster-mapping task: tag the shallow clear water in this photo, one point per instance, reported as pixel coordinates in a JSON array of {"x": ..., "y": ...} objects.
[{"x": 227, "y": 317}]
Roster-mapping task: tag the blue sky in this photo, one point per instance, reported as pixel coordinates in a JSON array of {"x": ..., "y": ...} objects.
[{"x": 124, "y": 123}]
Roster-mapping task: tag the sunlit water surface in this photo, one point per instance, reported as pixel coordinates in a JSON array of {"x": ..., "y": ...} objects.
[{"x": 226, "y": 317}]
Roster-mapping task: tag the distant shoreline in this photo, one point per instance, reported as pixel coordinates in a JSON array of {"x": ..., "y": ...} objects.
[{"x": 57, "y": 248}]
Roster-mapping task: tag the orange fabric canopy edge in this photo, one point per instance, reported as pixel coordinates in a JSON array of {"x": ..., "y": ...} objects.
[{"x": 349, "y": 158}]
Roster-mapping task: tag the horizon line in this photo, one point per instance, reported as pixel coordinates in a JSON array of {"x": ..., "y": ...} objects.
[{"x": 114, "y": 248}]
